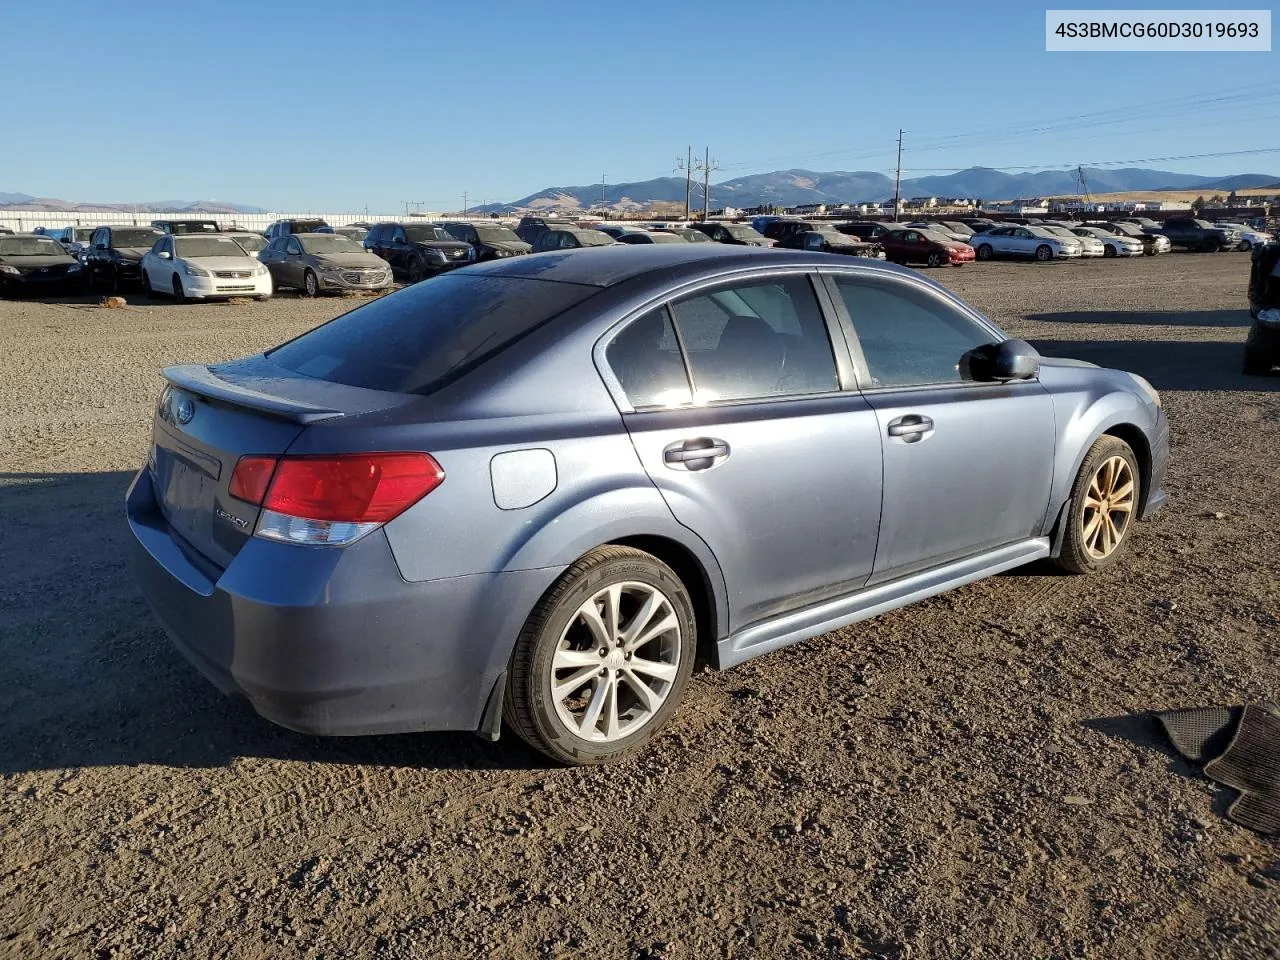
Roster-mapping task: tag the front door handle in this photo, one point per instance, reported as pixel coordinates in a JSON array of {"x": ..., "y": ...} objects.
[
  {"x": 698, "y": 453},
  {"x": 911, "y": 427}
]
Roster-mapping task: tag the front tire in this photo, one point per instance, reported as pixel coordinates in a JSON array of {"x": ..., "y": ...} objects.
[
  {"x": 417, "y": 270},
  {"x": 146, "y": 285},
  {"x": 1044, "y": 253},
  {"x": 1257, "y": 363},
  {"x": 179, "y": 295},
  {"x": 935, "y": 260},
  {"x": 984, "y": 251},
  {"x": 1108, "y": 250},
  {"x": 310, "y": 283},
  {"x": 1104, "y": 504},
  {"x": 604, "y": 658}
]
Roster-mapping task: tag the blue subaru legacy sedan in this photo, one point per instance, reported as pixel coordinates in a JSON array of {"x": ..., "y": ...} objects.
[{"x": 534, "y": 491}]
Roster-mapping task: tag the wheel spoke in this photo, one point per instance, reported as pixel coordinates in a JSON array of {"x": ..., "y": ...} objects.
[
  {"x": 591, "y": 715},
  {"x": 640, "y": 619},
  {"x": 612, "y": 599},
  {"x": 611, "y": 724},
  {"x": 1124, "y": 492},
  {"x": 652, "y": 668},
  {"x": 1094, "y": 490},
  {"x": 590, "y": 615},
  {"x": 665, "y": 625},
  {"x": 1091, "y": 503},
  {"x": 648, "y": 696},
  {"x": 563, "y": 688},
  {"x": 566, "y": 659},
  {"x": 1122, "y": 507},
  {"x": 1091, "y": 528},
  {"x": 1114, "y": 531}
]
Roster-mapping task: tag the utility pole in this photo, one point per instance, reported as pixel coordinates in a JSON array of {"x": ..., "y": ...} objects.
[
  {"x": 603, "y": 203},
  {"x": 687, "y": 166},
  {"x": 706, "y": 165},
  {"x": 897, "y": 179},
  {"x": 464, "y": 203}
]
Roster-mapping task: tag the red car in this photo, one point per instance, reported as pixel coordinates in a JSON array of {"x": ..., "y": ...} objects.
[{"x": 924, "y": 246}]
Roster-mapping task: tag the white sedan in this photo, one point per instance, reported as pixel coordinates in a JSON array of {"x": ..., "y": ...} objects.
[
  {"x": 1114, "y": 244},
  {"x": 1019, "y": 241},
  {"x": 203, "y": 267},
  {"x": 1249, "y": 237},
  {"x": 1090, "y": 246}
]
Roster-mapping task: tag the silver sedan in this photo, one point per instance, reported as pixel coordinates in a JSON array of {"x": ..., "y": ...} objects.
[{"x": 1024, "y": 241}]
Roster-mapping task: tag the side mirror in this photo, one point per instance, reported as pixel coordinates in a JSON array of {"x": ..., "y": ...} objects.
[
  {"x": 1001, "y": 362},
  {"x": 164, "y": 255}
]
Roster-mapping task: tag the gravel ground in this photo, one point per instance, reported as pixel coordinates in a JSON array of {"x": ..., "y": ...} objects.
[{"x": 969, "y": 777}]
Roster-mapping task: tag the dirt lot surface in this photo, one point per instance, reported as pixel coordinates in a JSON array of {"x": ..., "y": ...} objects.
[{"x": 969, "y": 777}]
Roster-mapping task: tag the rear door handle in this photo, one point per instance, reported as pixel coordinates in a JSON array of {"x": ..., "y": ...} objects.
[
  {"x": 697, "y": 453},
  {"x": 911, "y": 426}
]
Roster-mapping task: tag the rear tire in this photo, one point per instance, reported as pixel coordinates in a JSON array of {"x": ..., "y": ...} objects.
[
  {"x": 1102, "y": 510},
  {"x": 571, "y": 633},
  {"x": 984, "y": 251}
]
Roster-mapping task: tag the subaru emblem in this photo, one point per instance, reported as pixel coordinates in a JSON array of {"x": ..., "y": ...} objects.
[{"x": 184, "y": 410}]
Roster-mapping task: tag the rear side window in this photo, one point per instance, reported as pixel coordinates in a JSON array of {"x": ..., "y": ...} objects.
[
  {"x": 431, "y": 333},
  {"x": 645, "y": 357}
]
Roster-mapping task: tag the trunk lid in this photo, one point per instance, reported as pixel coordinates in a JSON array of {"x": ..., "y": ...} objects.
[{"x": 210, "y": 417}]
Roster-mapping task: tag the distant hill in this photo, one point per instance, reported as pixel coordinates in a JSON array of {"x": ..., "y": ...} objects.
[
  {"x": 792, "y": 187},
  {"x": 11, "y": 201}
]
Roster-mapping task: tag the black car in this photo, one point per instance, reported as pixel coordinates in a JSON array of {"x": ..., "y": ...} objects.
[
  {"x": 571, "y": 238},
  {"x": 649, "y": 236},
  {"x": 1262, "y": 347},
  {"x": 186, "y": 226},
  {"x": 113, "y": 258},
  {"x": 490, "y": 241},
  {"x": 37, "y": 265},
  {"x": 868, "y": 229},
  {"x": 417, "y": 250},
  {"x": 736, "y": 234},
  {"x": 530, "y": 228},
  {"x": 825, "y": 238},
  {"x": 285, "y": 228},
  {"x": 5, "y": 231},
  {"x": 1193, "y": 234}
]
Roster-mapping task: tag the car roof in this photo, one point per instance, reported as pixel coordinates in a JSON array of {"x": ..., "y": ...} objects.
[{"x": 606, "y": 266}]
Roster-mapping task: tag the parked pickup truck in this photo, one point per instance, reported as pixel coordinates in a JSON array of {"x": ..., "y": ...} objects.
[{"x": 1197, "y": 234}]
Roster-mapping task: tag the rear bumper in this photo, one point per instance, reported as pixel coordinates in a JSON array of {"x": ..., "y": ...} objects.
[{"x": 330, "y": 641}]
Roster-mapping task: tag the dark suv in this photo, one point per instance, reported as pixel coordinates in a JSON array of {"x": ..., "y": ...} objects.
[
  {"x": 114, "y": 256},
  {"x": 1197, "y": 234},
  {"x": 417, "y": 250},
  {"x": 490, "y": 241},
  {"x": 284, "y": 228},
  {"x": 530, "y": 228},
  {"x": 1262, "y": 348}
]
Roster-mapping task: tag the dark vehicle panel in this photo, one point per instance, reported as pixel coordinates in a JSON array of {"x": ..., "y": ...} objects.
[
  {"x": 490, "y": 241},
  {"x": 734, "y": 234},
  {"x": 186, "y": 226},
  {"x": 417, "y": 250},
  {"x": 530, "y": 228},
  {"x": 114, "y": 256},
  {"x": 571, "y": 239}
]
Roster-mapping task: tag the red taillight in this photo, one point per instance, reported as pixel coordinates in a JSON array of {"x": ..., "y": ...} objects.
[
  {"x": 352, "y": 488},
  {"x": 250, "y": 478}
]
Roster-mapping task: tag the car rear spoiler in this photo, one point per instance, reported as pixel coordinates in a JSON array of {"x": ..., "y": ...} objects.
[{"x": 205, "y": 383}]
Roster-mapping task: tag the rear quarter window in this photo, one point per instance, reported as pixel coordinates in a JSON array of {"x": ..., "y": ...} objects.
[{"x": 428, "y": 335}]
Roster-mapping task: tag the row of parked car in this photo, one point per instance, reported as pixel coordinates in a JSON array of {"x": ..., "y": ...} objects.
[{"x": 197, "y": 259}]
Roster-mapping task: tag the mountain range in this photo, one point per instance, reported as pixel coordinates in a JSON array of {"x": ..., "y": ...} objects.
[
  {"x": 792, "y": 187},
  {"x": 25, "y": 201}
]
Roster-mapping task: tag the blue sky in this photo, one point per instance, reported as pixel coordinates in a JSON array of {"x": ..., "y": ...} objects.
[{"x": 337, "y": 105}]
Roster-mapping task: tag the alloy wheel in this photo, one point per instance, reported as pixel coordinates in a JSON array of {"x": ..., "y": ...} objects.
[
  {"x": 1108, "y": 507},
  {"x": 616, "y": 661}
]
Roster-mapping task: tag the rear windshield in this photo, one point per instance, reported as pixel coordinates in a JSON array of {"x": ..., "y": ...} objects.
[
  {"x": 193, "y": 227},
  {"x": 741, "y": 232},
  {"x": 329, "y": 243},
  {"x": 419, "y": 339},
  {"x": 426, "y": 232}
]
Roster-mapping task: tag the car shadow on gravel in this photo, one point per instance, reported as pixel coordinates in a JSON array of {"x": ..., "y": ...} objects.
[
  {"x": 1168, "y": 364},
  {"x": 89, "y": 680},
  {"x": 1151, "y": 318}
]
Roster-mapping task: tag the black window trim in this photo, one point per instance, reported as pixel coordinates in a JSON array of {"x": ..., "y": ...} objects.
[
  {"x": 846, "y": 374},
  {"x": 829, "y": 276}
]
